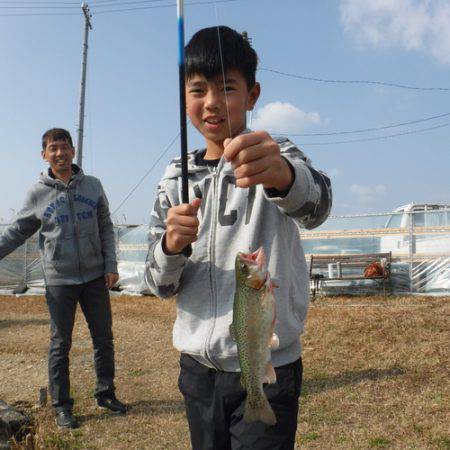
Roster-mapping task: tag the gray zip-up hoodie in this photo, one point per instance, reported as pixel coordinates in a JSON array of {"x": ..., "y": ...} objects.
[
  {"x": 233, "y": 219},
  {"x": 76, "y": 235}
]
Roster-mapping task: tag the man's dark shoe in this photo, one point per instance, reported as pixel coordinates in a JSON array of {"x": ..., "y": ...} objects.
[
  {"x": 110, "y": 402},
  {"x": 66, "y": 419}
]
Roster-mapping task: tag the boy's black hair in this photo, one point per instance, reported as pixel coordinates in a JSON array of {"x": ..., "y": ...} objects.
[
  {"x": 203, "y": 51},
  {"x": 56, "y": 134}
]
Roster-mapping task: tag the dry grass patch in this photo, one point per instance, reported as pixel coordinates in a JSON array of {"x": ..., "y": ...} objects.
[{"x": 376, "y": 375}]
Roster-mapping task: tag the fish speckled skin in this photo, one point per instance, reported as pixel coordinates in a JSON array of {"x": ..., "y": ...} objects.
[{"x": 252, "y": 329}]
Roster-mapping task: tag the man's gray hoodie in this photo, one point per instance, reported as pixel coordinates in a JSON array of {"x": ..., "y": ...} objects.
[
  {"x": 233, "y": 219},
  {"x": 76, "y": 235}
]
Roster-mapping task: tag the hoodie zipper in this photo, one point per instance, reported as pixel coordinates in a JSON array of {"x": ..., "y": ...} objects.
[
  {"x": 75, "y": 229},
  {"x": 212, "y": 274}
]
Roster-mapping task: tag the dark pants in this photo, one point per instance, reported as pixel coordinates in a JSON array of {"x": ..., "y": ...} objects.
[
  {"x": 215, "y": 404},
  {"x": 95, "y": 304}
]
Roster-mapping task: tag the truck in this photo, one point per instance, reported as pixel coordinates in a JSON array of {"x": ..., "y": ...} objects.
[{"x": 427, "y": 223}]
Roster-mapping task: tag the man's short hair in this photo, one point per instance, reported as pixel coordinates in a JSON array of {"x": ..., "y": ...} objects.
[
  {"x": 56, "y": 134},
  {"x": 203, "y": 54}
]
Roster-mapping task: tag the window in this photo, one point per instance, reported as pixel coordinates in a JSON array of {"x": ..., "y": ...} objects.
[
  {"x": 395, "y": 221},
  {"x": 419, "y": 219}
]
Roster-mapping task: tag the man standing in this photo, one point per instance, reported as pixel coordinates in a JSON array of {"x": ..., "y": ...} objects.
[{"x": 77, "y": 248}]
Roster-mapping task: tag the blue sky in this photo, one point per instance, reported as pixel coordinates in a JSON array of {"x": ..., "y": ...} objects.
[{"x": 132, "y": 93}]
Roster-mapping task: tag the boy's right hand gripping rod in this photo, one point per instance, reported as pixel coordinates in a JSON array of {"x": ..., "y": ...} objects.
[{"x": 187, "y": 251}]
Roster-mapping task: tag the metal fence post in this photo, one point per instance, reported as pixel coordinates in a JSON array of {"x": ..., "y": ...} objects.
[
  {"x": 25, "y": 269},
  {"x": 411, "y": 251}
]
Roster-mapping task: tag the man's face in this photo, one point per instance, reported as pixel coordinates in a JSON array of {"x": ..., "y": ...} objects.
[
  {"x": 214, "y": 114},
  {"x": 59, "y": 154}
]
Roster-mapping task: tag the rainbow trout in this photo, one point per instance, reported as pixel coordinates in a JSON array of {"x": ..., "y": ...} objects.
[{"x": 252, "y": 330}]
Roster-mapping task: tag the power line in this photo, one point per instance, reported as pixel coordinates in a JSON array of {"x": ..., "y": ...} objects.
[
  {"x": 162, "y": 6},
  {"x": 363, "y": 130},
  {"x": 40, "y": 7},
  {"x": 147, "y": 173},
  {"x": 379, "y": 83},
  {"x": 377, "y": 138},
  {"x": 310, "y": 144},
  {"x": 98, "y": 6},
  {"x": 95, "y": 2},
  {"x": 41, "y": 14},
  {"x": 107, "y": 3},
  {"x": 77, "y": 4},
  {"x": 64, "y": 5},
  {"x": 58, "y": 4},
  {"x": 40, "y": 2}
]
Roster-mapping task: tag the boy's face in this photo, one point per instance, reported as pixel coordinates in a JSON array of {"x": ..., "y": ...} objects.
[
  {"x": 212, "y": 112},
  {"x": 59, "y": 154}
]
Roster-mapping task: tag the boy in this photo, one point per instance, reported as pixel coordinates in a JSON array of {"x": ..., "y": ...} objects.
[
  {"x": 77, "y": 247},
  {"x": 247, "y": 191}
]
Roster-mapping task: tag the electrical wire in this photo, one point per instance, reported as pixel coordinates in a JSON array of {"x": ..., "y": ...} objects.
[
  {"x": 138, "y": 8},
  {"x": 93, "y": 11},
  {"x": 364, "y": 130},
  {"x": 51, "y": 3},
  {"x": 96, "y": 2},
  {"x": 42, "y": 14},
  {"x": 33, "y": 5},
  {"x": 379, "y": 83},
  {"x": 15, "y": 2},
  {"x": 40, "y": 7},
  {"x": 147, "y": 173},
  {"x": 107, "y": 4},
  {"x": 377, "y": 138}
]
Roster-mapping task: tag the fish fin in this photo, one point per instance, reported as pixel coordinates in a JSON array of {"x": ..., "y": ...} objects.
[
  {"x": 260, "y": 257},
  {"x": 262, "y": 412},
  {"x": 232, "y": 333},
  {"x": 270, "y": 375},
  {"x": 270, "y": 284},
  {"x": 255, "y": 283},
  {"x": 274, "y": 342}
]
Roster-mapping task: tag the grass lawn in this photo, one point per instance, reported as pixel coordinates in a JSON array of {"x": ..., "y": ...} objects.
[{"x": 376, "y": 375}]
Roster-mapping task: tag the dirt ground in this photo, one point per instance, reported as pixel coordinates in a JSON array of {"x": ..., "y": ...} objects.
[{"x": 376, "y": 375}]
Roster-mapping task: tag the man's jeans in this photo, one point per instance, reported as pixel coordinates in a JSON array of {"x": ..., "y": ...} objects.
[{"x": 93, "y": 297}]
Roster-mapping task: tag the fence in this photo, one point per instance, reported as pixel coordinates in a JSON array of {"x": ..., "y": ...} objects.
[{"x": 419, "y": 242}]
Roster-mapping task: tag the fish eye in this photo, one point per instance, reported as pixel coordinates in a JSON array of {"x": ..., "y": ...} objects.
[{"x": 244, "y": 267}]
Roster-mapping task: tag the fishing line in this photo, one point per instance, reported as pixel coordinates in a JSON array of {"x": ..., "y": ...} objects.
[{"x": 223, "y": 70}]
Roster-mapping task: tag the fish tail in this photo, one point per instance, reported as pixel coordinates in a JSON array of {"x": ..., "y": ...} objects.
[{"x": 259, "y": 410}]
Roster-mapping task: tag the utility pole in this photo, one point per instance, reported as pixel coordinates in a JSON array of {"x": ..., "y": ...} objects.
[{"x": 87, "y": 27}]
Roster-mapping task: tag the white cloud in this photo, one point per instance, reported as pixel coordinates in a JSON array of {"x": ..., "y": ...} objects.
[
  {"x": 283, "y": 118},
  {"x": 421, "y": 25},
  {"x": 367, "y": 195}
]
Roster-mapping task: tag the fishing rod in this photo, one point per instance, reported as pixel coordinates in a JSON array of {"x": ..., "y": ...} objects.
[{"x": 183, "y": 123}]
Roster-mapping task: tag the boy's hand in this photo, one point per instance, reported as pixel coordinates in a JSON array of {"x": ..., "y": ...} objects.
[
  {"x": 256, "y": 159},
  {"x": 182, "y": 227},
  {"x": 111, "y": 279}
]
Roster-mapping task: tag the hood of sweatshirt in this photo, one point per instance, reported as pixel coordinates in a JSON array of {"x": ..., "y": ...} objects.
[{"x": 47, "y": 178}]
